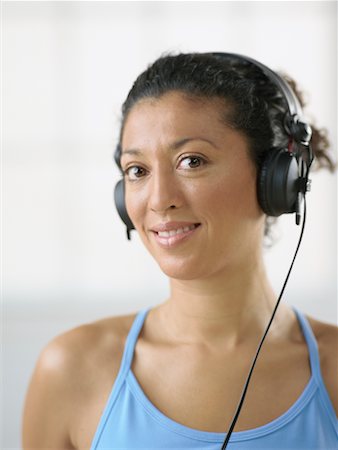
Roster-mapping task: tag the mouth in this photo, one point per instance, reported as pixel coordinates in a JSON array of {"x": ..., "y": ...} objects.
[
  {"x": 170, "y": 234},
  {"x": 177, "y": 231}
]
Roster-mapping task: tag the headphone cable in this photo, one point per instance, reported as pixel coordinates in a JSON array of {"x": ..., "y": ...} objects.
[{"x": 246, "y": 385}]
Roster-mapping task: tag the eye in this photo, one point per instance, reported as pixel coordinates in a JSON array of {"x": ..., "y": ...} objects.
[
  {"x": 191, "y": 162},
  {"x": 134, "y": 172}
]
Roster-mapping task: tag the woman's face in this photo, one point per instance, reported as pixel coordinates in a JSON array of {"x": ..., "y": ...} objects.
[{"x": 190, "y": 186}]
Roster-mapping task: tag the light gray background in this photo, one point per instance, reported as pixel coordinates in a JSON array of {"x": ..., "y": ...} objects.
[{"x": 66, "y": 69}]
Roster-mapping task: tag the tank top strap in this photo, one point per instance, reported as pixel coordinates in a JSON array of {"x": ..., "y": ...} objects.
[
  {"x": 131, "y": 340},
  {"x": 311, "y": 344},
  {"x": 126, "y": 361}
]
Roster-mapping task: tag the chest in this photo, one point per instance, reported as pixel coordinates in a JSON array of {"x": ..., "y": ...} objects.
[{"x": 202, "y": 391}]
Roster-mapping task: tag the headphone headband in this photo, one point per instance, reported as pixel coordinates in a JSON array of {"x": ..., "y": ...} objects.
[{"x": 295, "y": 124}]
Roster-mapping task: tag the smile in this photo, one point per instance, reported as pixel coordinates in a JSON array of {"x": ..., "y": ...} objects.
[
  {"x": 175, "y": 232},
  {"x": 170, "y": 234}
]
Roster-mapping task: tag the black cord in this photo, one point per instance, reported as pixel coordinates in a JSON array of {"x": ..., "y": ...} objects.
[{"x": 241, "y": 401}]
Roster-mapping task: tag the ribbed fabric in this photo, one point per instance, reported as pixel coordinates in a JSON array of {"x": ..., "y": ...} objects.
[{"x": 131, "y": 421}]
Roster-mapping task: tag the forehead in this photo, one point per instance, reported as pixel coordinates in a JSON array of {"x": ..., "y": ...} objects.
[{"x": 174, "y": 115}]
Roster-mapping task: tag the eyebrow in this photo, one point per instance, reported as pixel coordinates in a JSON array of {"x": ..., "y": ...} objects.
[{"x": 174, "y": 146}]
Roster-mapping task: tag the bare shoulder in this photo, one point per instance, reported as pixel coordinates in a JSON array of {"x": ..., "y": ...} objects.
[
  {"x": 327, "y": 340},
  {"x": 78, "y": 350},
  {"x": 66, "y": 381},
  {"x": 78, "y": 346}
]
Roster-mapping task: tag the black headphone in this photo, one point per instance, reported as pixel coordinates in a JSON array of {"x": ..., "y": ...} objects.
[{"x": 283, "y": 177}]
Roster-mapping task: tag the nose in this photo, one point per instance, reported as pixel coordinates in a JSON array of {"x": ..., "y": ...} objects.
[{"x": 164, "y": 191}]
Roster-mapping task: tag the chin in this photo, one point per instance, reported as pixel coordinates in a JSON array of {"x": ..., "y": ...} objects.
[
  {"x": 183, "y": 269},
  {"x": 182, "y": 275}
]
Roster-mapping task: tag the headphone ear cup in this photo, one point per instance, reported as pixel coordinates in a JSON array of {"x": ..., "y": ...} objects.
[
  {"x": 277, "y": 183},
  {"x": 119, "y": 197}
]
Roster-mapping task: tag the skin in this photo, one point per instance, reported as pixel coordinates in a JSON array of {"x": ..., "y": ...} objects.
[{"x": 184, "y": 165}]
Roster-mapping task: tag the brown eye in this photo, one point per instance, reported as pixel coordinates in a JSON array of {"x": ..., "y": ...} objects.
[
  {"x": 191, "y": 162},
  {"x": 135, "y": 172}
]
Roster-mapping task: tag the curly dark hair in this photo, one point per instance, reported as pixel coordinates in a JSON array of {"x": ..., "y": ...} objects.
[{"x": 257, "y": 106}]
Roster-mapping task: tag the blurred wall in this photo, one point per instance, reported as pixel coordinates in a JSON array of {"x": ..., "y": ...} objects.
[{"x": 66, "y": 69}]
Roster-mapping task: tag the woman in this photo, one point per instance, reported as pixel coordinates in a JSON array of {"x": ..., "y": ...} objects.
[{"x": 196, "y": 131}]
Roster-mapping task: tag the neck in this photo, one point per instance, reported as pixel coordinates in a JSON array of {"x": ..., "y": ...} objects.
[{"x": 230, "y": 307}]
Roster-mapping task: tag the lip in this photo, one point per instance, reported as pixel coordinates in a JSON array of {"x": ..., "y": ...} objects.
[
  {"x": 169, "y": 226},
  {"x": 184, "y": 230}
]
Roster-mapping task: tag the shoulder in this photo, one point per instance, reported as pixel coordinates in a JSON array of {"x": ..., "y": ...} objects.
[
  {"x": 80, "y": 348},
  {"x": 327, "y": 339},
  {"x": 66, "y": 380}
]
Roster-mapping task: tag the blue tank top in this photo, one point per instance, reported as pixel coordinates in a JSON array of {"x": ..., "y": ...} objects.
[{"x": 131, "y": 421}]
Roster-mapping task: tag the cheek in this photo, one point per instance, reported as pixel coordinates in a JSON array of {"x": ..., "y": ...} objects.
[
  {"x": 135, "y": 206},
  {"x": 137, "y": 201},
  {"x": 231, "y": 196}
]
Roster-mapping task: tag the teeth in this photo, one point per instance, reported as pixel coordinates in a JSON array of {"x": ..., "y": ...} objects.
[
  {"x": 171, "y": 233},
  {"x": 163, "y": 233}
]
